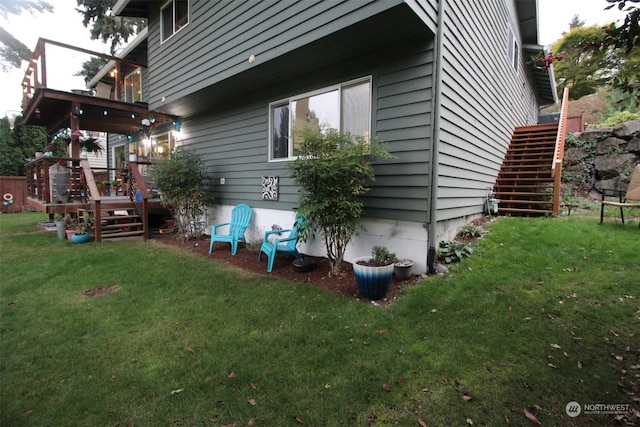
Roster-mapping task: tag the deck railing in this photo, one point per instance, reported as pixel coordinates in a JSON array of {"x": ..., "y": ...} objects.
[
  {"x": 558, "y": 155},
  {"x": 36, "y": 74}
]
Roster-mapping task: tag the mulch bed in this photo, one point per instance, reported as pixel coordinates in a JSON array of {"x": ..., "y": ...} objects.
[{"x": 247, "y": 259}]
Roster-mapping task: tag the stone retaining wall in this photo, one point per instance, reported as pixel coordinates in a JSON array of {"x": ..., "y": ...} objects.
[{"x": 610, "y": 153}]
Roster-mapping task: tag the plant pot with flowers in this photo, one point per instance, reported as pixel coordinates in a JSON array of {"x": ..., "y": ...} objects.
[{"x": 373, "y": 273}]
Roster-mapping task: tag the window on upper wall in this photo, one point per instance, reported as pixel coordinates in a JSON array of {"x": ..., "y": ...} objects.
[
  {"x": 513, "y": 49},
  {"x": 346, "y": 107},
  {"x": 159, "y": 146},
  {"x": 173, "y": 16},
  {"x": 133, "y": 87}
]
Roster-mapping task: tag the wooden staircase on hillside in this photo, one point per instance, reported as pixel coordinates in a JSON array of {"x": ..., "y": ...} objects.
[
  {"x": 525, "y": 184},
  {"x": 529, "y": 181}
]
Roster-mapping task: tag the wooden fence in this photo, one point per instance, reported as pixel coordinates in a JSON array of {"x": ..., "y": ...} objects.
[{"x": 14, "y": 193}]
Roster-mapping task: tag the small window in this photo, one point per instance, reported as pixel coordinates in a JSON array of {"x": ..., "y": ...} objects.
[
  {"x": 346, "y": 107},
  {"x": 173, "y": 16},
  {"x": 133, "y": 87},
  {"x": 158, "y": 146}
]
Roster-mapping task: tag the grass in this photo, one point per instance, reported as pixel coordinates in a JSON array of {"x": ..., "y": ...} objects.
[{"x": 546, "y": 311}]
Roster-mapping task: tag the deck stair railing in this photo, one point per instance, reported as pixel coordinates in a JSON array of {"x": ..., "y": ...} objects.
[{"x": 529, "y": 181}]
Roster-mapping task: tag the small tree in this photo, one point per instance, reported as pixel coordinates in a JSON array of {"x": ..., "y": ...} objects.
[
  {"x": 181, "y": 180},
  {"x": 333, "y": 171}
]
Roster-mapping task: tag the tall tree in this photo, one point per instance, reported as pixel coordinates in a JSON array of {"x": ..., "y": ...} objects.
[
  {"x": 12, "y": 50},
  {"x": 576, "y": 22},
  {"x": 583, "y": 71},
  {"x": 17, "y": 144},
  {"x": 111, "y": 29}
]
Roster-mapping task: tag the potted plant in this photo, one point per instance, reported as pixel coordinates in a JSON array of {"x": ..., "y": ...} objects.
[
  {"x": 81, "y": 235},
  {"x": 373, "y": 273},
  {"x": 70, "y": 225},
  {"x": 402, "y": 269}
]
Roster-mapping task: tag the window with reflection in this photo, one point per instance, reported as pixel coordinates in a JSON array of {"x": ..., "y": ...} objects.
[{"x": 346, "y": 107}]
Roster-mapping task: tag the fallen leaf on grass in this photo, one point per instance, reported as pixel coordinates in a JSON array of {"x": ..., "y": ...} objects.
[
  {"x": 180, "y": 390},
  {"x": 618, "y": 358},
  {"x": 551, "y": 365},
  {"x": 28, "y": 413},
  {"x": 386, "y": 387},
  {"x": 422, "y": 423},
  {"x": 469, "y": 421},
  {"x": 556, "y": 346},
  {"x": 190, "y": 350},
  {"x": 467, "y": 397},
  {"x": 531, "y": 417},
  {"x": 299, "y": 420},
  {"x": 251, "y": 421},
  {"x": 253, "y": 386},
  {"x": 252, "y": 402},
  {"x": 231, "y": 375}
]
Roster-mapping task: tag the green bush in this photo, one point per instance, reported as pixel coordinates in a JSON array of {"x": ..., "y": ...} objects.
[
  {"x": 181, "y": 180},
  {"x": 454, "y": 251},
  {"x": 333, "y": 171}
]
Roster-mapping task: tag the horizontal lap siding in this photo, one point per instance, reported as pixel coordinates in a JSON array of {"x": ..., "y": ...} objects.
[
  {"x": 402, "y": 119},
  {"x": 234, "y": 141},
  {"x": 233, "y": 145},
  {"x": 483, "y": 99},
  {"x": 221, "y": 35}
]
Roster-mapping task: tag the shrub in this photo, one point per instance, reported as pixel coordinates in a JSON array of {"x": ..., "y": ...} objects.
[
  {"x": 333, "y": 170},
  {"x": 454, "y": 251},
  {"x": 181, "y": 181},
  {"x": 470, "y": 231}
]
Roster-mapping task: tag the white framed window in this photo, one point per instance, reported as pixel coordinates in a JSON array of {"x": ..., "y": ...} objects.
[
  {"x": 345, "y": 107},
  {"x": 174, "y": 15},
  {"x": 158, "y": 146},
  {"x": 513, "y": 48},
  {"x": 133, "y": 86}
]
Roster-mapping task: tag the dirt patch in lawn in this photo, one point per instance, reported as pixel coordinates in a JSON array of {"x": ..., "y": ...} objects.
[{"x": 101, "y": 290}]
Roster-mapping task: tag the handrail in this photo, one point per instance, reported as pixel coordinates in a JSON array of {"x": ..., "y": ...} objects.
[
  {"x": 36, "y": 74},
  {"x": 558, "y": 153},
  {"x": 137, "y": 183},
  {"x": 95, "y": 196}
]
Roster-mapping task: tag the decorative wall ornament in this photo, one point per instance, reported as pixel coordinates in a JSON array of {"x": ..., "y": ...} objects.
[{"x": 270, "y": 187}]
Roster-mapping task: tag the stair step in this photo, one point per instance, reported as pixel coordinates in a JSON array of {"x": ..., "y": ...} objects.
[{"x": 122, "y": 234}]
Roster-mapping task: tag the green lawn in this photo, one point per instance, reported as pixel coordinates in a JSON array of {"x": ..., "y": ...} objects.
[{"x": 545, "y": 312}]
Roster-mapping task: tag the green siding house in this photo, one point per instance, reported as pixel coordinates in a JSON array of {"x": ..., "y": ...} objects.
[{"x": 443, "y": 83}]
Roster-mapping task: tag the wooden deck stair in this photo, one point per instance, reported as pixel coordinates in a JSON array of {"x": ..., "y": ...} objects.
[
  {"x": 525, "y": 184},
  {"x": 117, "y": 220}
]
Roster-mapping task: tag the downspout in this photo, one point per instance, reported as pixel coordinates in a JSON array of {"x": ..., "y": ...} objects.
[{"x": 435, "y": 138}]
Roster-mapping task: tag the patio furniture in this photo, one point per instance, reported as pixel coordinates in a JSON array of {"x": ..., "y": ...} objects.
[
  {"x": 285, "y": 244},
  {"x": 240, "y": 221},
  {"x": 630, "y": 200}
]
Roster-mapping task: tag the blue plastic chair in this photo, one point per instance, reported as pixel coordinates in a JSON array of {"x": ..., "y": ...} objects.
[
  {"x": 240, "y": 221},
  {"x": 285, "y": 245}
]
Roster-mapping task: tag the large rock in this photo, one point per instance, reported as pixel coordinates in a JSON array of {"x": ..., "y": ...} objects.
[
  {"x": 574, "y": 155},
  {"x": 619, "y": 183},
  {"x": 612, "y": 165},
  {"x": 596, "y": 134},
  {"x": 634, "y": 145},
  {"x": 627, "y": 128},
  {"x": 610, "y": 145}
]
